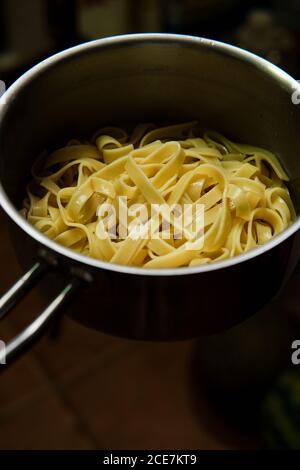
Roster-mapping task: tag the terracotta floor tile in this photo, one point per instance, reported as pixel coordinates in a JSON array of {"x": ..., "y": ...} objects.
[
  {"x": 72, "y": 348},
  {"x": 75, "y": 347},
  {"x": 142, "y": 401},
  {"x": 44, "y": 423},
  {"x": 21, "y": 380},
  {"x": 33, "y": 414}
]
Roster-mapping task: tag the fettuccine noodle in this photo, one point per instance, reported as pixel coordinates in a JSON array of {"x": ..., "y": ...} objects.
[{"x": 240, "y": 187}]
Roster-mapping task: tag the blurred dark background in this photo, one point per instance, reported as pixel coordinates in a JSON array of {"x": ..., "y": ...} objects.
[
  {"x": 78, "y": 389},
  {"x": 35, "y": 29}
]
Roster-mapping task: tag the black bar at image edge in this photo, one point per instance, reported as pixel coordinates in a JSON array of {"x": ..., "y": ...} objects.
[{"x": 131, "y": 459}]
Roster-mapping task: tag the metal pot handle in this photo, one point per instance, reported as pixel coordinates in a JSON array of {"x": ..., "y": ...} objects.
[
  {"x": 37, "y": 327},
  {"x": 22, "y": 286}
]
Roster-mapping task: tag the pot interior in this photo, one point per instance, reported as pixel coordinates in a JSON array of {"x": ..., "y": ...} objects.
[{"x": 142, "y": 78}]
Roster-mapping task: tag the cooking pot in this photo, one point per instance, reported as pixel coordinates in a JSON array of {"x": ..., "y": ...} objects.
[{"x": 163, "y": 78}]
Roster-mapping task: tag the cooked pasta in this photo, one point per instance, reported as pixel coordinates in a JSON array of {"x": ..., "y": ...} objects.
[{"x": 78, "y": 194}]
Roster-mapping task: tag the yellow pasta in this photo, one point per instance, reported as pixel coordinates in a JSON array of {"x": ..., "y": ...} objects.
[{"x": 123, "y": 197}]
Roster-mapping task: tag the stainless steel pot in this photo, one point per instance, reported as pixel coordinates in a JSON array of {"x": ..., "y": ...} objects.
[{"x": 134, "y": 78}]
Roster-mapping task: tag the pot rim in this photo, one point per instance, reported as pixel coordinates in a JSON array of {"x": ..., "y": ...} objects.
[{"x": 286, "y": 81}]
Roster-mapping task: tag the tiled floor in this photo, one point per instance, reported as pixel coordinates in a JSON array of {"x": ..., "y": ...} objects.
[
  {"x": 127, "y": 396},
  {"x": 86, "y": 390}
]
